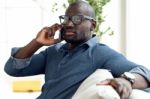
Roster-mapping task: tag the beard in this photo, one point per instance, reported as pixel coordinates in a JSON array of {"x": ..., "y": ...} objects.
[
  {"x": 73, "y": 36},
  {"x": 72, "y": 40},
  {"x": 78, "y": 38}
]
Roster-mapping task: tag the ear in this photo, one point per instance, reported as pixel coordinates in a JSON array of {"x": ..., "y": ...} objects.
[{"x": 93, "y": 25}]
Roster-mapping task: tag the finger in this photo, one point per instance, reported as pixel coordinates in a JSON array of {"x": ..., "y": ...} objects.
[
  {"x": 127, "y": 92},
  {"x": 43, "y": 32},
  {"x": 119, "y": 90},
  {"x": 45, "y": 29},
  {"x": 124, "y": 94},
  {"x": 53, "y": 29},
  {"x": 117, "y": 86},
  {"x": 50, "y": 33},
  {"x": 104, "y": 82},
  {"x": 56, "y": 27},
  {"x": 114, "y": 83}
]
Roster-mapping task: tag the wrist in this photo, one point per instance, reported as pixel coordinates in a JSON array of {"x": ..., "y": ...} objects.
[
  {"x": 36, "y": 43},
  {"x": 129, "y": 77}
]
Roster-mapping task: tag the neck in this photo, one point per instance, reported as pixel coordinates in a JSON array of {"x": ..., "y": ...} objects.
[
  {"x": 72, "y": 46},
  {"x": 75, "y": 44}
]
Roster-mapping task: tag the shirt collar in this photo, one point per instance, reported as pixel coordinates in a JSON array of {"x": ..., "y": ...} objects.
[{"x": 91, "y": 42}]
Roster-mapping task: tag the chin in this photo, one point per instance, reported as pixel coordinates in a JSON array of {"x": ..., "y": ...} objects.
[
  {"x": 70, "y": 41},
  {"x": 74, "y": 41}
]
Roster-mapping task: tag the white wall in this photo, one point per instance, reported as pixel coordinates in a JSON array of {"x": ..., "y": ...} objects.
[
  {"x": 112, "y": 20},
  {"x": 138, "y": 31},
  {"x": 130, "y": 20}
]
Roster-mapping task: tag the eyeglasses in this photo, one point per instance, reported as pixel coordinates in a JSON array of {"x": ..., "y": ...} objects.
[{"x": 76, "y": 19}]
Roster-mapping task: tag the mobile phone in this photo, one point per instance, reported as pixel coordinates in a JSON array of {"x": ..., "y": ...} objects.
[{"x": 61, "y": 33}]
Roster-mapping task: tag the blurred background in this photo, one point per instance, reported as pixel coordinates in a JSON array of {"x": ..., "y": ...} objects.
[{"x": 21, "y": 20}]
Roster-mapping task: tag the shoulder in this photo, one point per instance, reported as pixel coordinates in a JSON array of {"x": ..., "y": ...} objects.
[
  {"x": 104, "y": 51},
  {"x": 99, "y": 47}
]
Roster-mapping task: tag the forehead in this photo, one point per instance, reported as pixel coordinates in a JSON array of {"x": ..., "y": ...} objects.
[{"x": 76, "y": 10}]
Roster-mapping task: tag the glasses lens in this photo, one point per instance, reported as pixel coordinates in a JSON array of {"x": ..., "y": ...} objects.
[
  {"x": 76, "y": 19},
  {"x": 64, "y": 19}
]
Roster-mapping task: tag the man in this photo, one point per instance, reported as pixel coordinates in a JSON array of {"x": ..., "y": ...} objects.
[{"x": 67, "y": 65}]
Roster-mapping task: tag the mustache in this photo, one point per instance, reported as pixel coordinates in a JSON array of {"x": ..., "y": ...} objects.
[{"x": 69, "y": 29}]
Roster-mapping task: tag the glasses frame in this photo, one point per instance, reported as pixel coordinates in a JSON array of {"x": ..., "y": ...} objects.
[{"x": 83, "y": 17}]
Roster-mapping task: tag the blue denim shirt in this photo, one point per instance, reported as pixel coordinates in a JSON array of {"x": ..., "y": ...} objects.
[{"x": 65, "y": 70}]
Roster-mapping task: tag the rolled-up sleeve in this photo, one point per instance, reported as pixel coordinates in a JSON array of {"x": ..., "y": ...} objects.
[
  {"x": 33, "y": 65},
  {"x": 142, "y": 71},
  {"x": 18, "y": 63}
]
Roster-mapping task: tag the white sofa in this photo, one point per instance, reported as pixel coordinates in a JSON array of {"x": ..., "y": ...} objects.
[{"x": 89, "y": 90}]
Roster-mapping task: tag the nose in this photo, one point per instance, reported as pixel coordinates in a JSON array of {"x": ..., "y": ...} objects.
[{"x": 69, "y": 23}]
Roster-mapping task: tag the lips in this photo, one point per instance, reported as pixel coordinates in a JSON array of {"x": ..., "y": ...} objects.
[{"x": 69, "y": 32}]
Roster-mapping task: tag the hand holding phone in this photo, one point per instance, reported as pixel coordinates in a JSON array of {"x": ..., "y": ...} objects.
[{"x": 46, "y": 35}]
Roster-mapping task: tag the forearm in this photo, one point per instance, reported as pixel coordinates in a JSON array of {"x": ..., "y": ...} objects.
[
  {"x": 28, "y": 50},
  {"x": 140, "y": 82}
]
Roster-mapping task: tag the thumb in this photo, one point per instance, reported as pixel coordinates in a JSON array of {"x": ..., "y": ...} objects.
[{"x": 104, "y": 82}]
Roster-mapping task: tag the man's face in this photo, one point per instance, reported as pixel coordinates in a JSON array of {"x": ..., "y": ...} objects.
[{"x": 76, "y": 32}]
